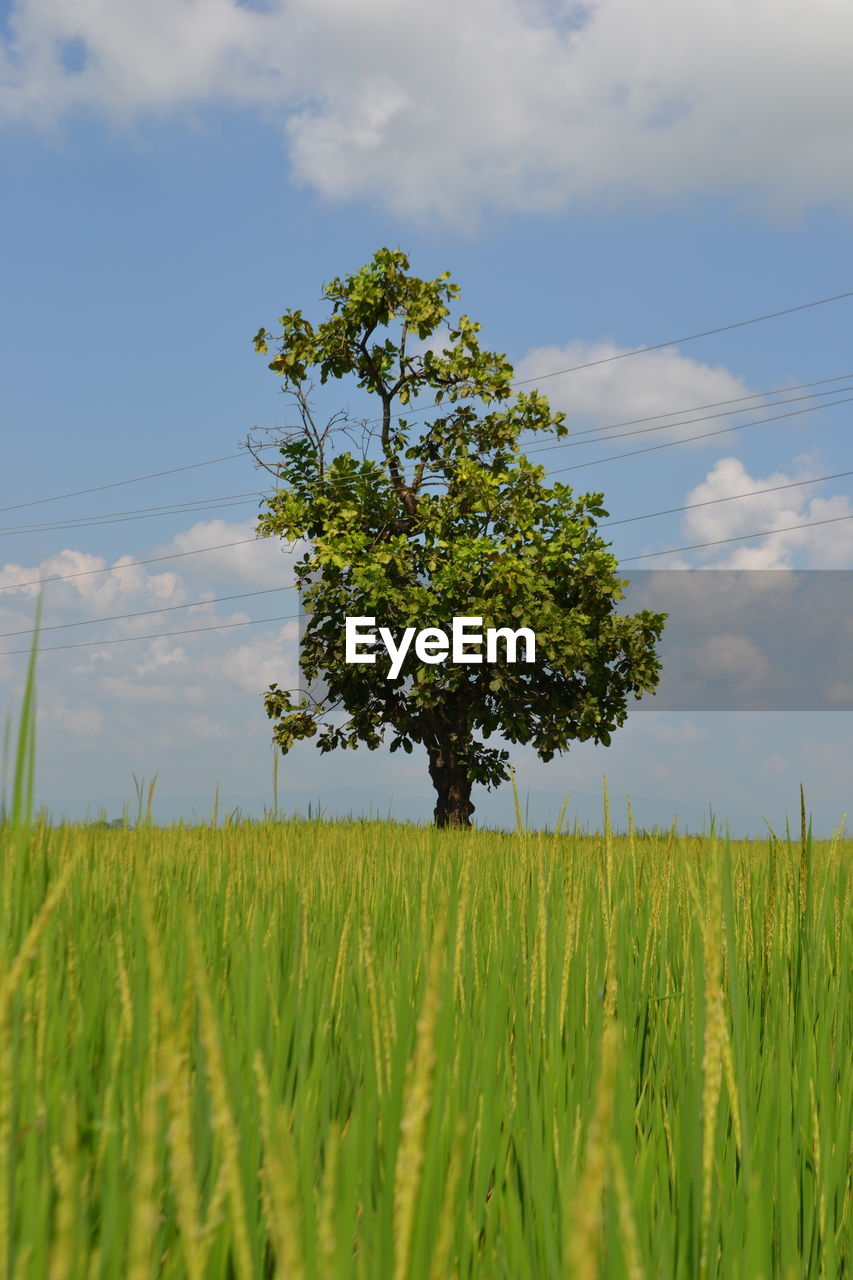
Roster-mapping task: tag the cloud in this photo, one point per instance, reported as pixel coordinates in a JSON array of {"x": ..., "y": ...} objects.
[
  {"x": 161, "y": 702},
  {"x": 253, "y": 562},
  {"x": 122, "y": 57},
  {"x": 81, "y": 722},
  {"x": 223, "y": 552},
  {"x": 649, "y": 384},
  {"x": 733, "y": 657},
  {"x": 161, "y": 653},
  {"x": 81, "y": 577},
  {"x": 446, "y": 110},
  {"x": 134, "y": 686},
  {"x": 258, "y": 662},
  {"x": 840, "y": 691},
  {"x": 738, "y": 640},
  {"x": 827, "y": 546}
]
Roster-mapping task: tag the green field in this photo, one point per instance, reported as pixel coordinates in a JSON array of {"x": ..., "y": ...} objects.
[{"x": 377, "y": 1050}]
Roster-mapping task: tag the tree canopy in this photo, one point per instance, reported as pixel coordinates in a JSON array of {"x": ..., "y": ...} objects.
[{"x": 431, "y": 511}]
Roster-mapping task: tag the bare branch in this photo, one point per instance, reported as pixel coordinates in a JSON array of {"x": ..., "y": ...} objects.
[{"x": 254, "y": 449}]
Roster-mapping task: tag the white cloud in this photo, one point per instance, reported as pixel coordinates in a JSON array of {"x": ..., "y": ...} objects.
[
  {"x": 255, "y": 664},
  {"x": 648, "y": 384},
  {"x": 109, "y": 710},
  {"x": 732, "y": 657},
  {"x": 254, "y": 562},
  {"x": 444, "y": 110},
  {"x": 827, "y": 546},
  {"x": 82, "y": 722},
  {"x": 840, "y": 691},
  {"x": 161, "y": 653},
  {"x": 133, "y": 686},
  {"x": 125, "y": 57},
  {"x": 80, "y": 576}
]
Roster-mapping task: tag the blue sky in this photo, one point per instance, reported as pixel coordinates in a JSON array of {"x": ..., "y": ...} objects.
[{"x": 596, "y": 178}]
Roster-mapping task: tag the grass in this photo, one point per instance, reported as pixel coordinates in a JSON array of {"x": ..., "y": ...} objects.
[
  {"x": 333, "y": 1050},
  {"x": 375, "y": 1050}
]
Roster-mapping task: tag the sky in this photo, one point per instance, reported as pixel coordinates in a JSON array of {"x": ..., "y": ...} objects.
[{"x": 598, "y": 178}]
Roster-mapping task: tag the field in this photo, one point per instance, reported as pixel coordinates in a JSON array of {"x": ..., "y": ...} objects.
[{"x": 310, "y": 1049}]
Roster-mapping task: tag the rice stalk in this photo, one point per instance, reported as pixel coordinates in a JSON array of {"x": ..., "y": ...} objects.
[
  {"x": 583, "y": 1243},
  {"x": 712, "y": 1060},
  {"x": 278, "y": 1184},
  {"x": 64, "y": 1164},
  {"x": 441, "y": 1264},
  {"x": 416, "y": 1107},
  {"x": 145, "y": 1211},
  {"x": 179, "y": 1132},
  {"x": 222, "y": 1116},
  {"x": 627, "y": 1223},
  {"x": 326, "y": 1239}
]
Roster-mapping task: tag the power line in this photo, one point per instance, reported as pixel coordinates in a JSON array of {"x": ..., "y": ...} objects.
[
  {"x": 131, "y": 564},
  {"x": 225, "y": 626},
  {"x": 593, "y": 431},
  {"x": 705, "y": 435},
  {"x": 589, "y": 364},
  {"x": 690, "y": 506},
  {"x": 657, "y": 346},
  {"x": 743, "y": 537},
  {"x": 115, "y": 484},
  {"x": 142, "y": 613},
  {"x": 669, "y": 426},
  {"x": 156, "y": 635},
  {"x": 732, "y": 497},
  {"x": 716, "y": 404},
  {"x": 35, "y": 582},
  {"x": 575, "y": 436},
  {"x": 636, "y": 351},
  {"x": 94, "y": 523},
  {"x": 649, "y": 515},
  {"x": 235, "y": 499},
  {"x": 563, "y": 444},
  {"x": 691, "y": 337},
  {"x": 105, "y": 517},
  {"x": 574, "y": 441}
]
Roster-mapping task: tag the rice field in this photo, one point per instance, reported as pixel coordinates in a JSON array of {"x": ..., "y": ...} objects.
[{"x": 310, "y": 1049}]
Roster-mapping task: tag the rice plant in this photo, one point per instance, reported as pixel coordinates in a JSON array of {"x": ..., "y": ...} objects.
[
  {"x": 377, "y": 1050},
  {"x": 373, "y": 1050}
]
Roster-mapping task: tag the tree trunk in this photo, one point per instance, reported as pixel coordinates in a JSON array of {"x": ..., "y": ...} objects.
[{"x": 452, "y": 785}]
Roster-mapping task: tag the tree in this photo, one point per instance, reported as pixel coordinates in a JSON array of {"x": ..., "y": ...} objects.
[{"x": 427, "y": 521}]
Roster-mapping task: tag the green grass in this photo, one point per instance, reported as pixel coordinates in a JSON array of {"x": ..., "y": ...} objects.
[
  {"x": 374, "y": 1050},
  {"x": 377, "y": 1050}
]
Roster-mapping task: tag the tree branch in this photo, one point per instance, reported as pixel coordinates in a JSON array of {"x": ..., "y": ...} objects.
[{"x": 404, "y": 493}]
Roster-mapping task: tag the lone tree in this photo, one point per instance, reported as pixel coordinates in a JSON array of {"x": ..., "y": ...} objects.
[{"x": 419, "y": 522}]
